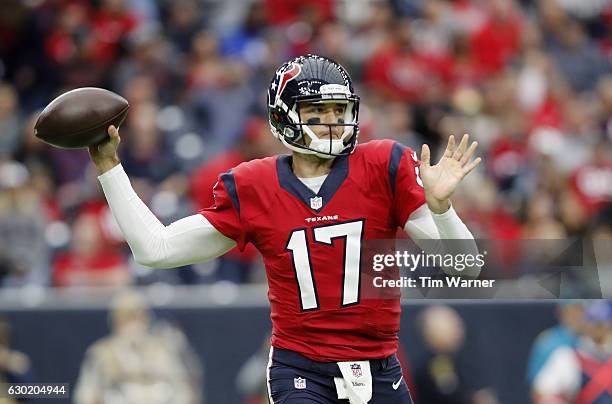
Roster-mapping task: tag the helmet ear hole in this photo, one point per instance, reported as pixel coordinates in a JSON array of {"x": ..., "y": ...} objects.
[
  {"x": 292, "y": 134},
  {"x": 288, "y": 132}
]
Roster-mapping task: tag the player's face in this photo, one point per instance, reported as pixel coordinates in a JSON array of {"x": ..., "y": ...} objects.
[{"x": 318, "y": 115}]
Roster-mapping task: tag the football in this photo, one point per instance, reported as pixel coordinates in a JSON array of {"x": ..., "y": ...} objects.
[{"x": 80, "y": 118}]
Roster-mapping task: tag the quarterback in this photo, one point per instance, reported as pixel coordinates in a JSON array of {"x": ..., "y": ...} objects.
[{"x": 308, "y": 213}]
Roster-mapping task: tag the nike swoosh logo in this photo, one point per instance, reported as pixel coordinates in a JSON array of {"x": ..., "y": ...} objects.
[{"x": 396, "y": 384}]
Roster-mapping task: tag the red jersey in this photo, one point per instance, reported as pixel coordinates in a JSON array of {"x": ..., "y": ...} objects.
[{"x": 311, "y": 244}]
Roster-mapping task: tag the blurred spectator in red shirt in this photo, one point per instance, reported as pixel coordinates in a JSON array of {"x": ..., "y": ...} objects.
[
  {"x": 90, "y": 261},
  {"x": 86, "y": 40},
  {"x": 287, "y": 11},
  {"x": 111, "y": 23},
  {"x": 71, "y": 35},
  {"x": 592, "y": 183},
  {"x": 497, "y": 42},
  {"x": 68, "y": 47},
  {"x": 399, "y": 72}
]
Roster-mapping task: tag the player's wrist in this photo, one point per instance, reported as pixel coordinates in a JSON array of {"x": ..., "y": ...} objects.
[
  {"x": 106, "y": 164},
  {"x": 438, "y": 206}
]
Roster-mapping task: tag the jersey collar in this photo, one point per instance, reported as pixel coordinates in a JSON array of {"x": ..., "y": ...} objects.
[{"x": 290, "y": 183}]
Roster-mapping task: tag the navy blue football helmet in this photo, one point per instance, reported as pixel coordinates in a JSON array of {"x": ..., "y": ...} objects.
[{"x": 312, "y": 79}]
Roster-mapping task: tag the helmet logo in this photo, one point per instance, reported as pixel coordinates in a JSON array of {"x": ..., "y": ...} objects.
[{"x": 286, "y": 77}]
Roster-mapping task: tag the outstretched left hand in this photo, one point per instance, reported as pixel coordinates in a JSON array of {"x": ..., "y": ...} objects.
[{"x": 441, "y": 179}]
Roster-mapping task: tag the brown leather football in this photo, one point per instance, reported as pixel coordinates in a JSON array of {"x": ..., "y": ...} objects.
[{"x": 80, "y": 118}]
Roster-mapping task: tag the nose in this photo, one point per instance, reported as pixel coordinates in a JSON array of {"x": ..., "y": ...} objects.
[
  {"x": 329, "y": 116},
  {"x": 332, "y": 116}
]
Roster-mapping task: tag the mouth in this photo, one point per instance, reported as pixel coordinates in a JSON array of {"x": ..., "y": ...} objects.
[
  {"x": 325, "y": 133},
  {"x": 328, "y": 136}
]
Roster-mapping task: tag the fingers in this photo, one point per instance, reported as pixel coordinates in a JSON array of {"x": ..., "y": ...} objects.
[
  {"x": 461, "y": 149},
  {"x": 469, "y": 153},
  {"x": 450, "y": 146},
  {"x": 468, "y": 169},
  {"x": 462, "y": 154},
  {"x": 425, "y": 155},
  {"x": 113, "y": 132}
]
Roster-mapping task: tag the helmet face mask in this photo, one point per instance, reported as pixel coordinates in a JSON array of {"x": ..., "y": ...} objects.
[{"x": 312, "y": 80}]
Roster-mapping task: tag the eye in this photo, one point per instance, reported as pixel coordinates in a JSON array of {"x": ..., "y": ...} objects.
[{"x": 311, "y": 109}]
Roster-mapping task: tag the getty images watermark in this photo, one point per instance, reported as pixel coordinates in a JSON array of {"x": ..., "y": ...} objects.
[
  {"x": 575, "y": 268},
  {"x": 461, "y": 267}
]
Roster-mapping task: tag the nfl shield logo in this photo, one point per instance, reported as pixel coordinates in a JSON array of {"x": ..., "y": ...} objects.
[
  {"x": 299, "y": 383},
  {"x": 356, "y": 368},
  {"x": 316, "y": 202}
]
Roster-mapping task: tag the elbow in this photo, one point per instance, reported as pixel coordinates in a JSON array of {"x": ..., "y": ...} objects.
[
  {"x": 152, "y": 255},
  {"x": 145, "y": 261},
  {"x": 150, "y": 261}
]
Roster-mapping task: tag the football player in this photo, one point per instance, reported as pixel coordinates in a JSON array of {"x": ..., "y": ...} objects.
[{"x": 309, "y": 214}]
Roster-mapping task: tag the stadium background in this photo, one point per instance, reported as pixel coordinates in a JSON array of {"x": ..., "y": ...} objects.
[{"x": 530, "y": 80}]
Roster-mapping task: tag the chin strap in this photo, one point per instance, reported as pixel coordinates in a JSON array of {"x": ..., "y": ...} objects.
[{"x": 335, "y": 146}]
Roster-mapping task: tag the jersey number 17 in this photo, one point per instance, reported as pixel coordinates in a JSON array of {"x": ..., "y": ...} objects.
[{"x": 352, "y": 233}]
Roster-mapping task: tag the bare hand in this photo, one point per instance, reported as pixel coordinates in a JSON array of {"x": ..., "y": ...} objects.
[
  {"x": 104, "y": 155},
  {"x": 441, "y": 180}
]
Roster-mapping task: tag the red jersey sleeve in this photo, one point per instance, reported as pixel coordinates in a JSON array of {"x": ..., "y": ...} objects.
[
  {"x": 224, "y": 214},
  {"x": 406, "y": 186}
]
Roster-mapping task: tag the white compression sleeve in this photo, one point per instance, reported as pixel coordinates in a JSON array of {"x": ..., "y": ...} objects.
[
  {"x": 423, "y": 226},
  {"x": 186, "y": 241}
]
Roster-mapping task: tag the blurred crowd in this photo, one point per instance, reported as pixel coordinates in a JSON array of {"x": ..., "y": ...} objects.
[
  {"x": 572, "y": 361},
  {"x": 144, "y": 359},
  {"x": 530, "y": 80}
]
